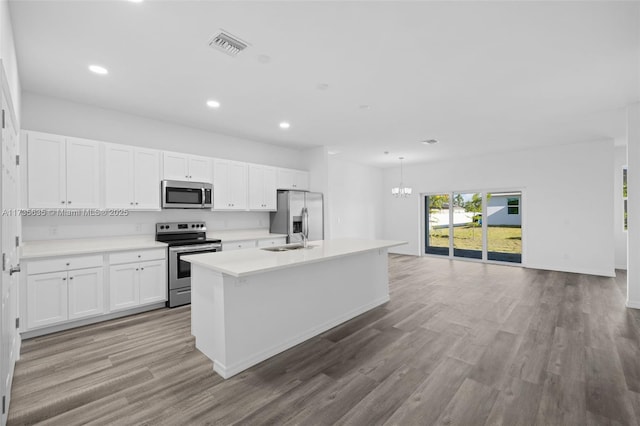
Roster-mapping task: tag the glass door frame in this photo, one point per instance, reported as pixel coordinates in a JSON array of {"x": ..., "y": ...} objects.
[{"x": 424, "y": 229}]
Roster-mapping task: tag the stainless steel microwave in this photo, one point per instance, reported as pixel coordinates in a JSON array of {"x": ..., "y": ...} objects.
[{"x": 186, "y": 195}]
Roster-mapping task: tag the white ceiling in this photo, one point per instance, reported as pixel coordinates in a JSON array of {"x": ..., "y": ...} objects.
[{"x": 478, "y": 76}]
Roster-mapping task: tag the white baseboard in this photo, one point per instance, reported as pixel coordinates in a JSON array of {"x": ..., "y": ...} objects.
[
  {"x": 79, "y": 323},
  {"x": 633, "y": 304},
  {"x": 238, "y": 367},
  {"x": 599, "y": 272}
]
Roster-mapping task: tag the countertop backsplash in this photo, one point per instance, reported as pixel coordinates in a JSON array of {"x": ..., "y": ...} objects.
[{"x": 135, "y": 223}]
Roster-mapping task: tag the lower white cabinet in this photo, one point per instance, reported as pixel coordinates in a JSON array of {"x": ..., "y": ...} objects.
[
  {"x": 136, "y": 284},
  {"x": 86, "y": 292},
  {"x": 64, "y": 295},
  {"x": 46, "y": 299},
  {"x": 238, "y": 245},
  {"x": 271, "y": 242},
  {"x": 245, "y": 244}
]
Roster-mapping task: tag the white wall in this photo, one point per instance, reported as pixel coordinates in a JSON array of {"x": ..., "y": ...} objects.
[
  {"x": 355, "y": 200},
  {"x": 619, "y": 235},
  {"x": 8, "y": 56},
  {"x": 58, "y": 116},
  {"x": 633, "y": 206},
  {"x": 52, "y": 115},
  {"x": 557, "y": 183},
  {"x": 317, "y": 163}
]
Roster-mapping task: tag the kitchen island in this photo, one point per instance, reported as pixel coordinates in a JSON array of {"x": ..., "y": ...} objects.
[{"x": 248, "y": 305}]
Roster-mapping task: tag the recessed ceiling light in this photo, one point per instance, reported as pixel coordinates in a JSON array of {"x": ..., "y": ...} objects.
[
  {"x": 430, "y": 142},
  {"x": 136, "y": 1},
  {"x": 333, "y": 152},
  {"x": 322, "y": 86},
  {"x": 364, "y": 107},
  {"x": 98, "y": 69},
  {"x": 284, "y": 125},
  {"x": 213, "y": 104}
]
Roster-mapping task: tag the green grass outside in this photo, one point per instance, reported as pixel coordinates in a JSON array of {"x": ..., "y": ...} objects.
[{"x": 501, "y": 239}]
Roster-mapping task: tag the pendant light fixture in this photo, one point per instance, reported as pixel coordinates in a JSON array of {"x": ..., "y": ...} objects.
[{"x": 401, "y": 191}]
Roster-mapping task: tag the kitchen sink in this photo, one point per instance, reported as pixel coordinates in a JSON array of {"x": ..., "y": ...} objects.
[{"x": 288, "y": 247}]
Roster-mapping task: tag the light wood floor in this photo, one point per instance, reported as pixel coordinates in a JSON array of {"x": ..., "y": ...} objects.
[{"x": 459, "y": 343}]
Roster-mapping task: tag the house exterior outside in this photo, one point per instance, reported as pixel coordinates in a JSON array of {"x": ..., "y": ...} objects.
[{"x": 504, "y": 209}]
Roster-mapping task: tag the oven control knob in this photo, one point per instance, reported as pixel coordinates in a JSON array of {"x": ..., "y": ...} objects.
[{"x": 193, "y": 226}]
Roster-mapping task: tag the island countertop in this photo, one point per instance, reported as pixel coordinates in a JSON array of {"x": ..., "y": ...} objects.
[{"x": 239, "y": 263}]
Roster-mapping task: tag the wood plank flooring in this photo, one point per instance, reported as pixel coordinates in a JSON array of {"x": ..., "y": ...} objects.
[{"x": 460, "y": 343}]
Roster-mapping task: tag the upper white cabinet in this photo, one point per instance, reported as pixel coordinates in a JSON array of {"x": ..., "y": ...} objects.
[
  {"x": 177, "y": 166},
  {"x": 262, "y": 187},
  {"x": 229, "y": 185},
  {"x": 62, "y": 172},
  {"x": 293, "y": 179},
  {"x": 132, "y": 177}
]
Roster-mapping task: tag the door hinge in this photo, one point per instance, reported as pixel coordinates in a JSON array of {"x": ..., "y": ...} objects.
[
  {"x": 18, "y": 322},
  {"x": 17, "y": 160},
  {"x": 17, "y": 241}
]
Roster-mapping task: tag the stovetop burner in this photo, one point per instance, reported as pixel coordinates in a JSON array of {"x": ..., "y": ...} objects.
[{"x": 183, "y": 233}]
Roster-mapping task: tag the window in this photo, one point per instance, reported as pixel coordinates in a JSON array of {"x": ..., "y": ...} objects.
[
  {"x": 513, "y": 205},
  {"x": 624, "y": 197}
]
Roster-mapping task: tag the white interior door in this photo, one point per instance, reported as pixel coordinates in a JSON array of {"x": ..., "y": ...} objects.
[{"x": 9, "y": 341}]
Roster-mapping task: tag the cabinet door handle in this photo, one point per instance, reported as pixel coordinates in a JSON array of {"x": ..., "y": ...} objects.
[
  {"x": 142, "y": 269},
  {"x": 137, "y": 269},
  {"x": 68, "y": 263},
  {"x": 68, "y": 202},
  {"x": 64, "y": 278},
  {"x": 136, "y": 203},
  {"x": 139, "y": 256},
  {"x": 61, "y": 202},
  {"x": 131, "y": 203},
  {"x": 70, "y": 278}
]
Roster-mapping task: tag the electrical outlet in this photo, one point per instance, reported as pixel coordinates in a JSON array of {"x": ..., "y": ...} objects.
[
  {"x": 138, "y": 227},
  {"x": 53, "y": 230}
]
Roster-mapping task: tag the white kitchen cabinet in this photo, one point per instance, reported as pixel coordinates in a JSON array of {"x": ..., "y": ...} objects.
[
  {"x": 271, "y": 242},
  {"x": 146, "y": 168},
  {"x": 86, "y": 292},
  {"x": 46, "y": 299},
  {"x": 238, "y": 245},
  {"x": 262, "y": 188},
  {"x": 185, "y": 167},
  {"x": 132, "y": 177},
  {"x": 293, "y": 179},
  {"x": 56, "y": 292},
  {"x": 123, "y": 287},
  {"x": 137, "y": 278},
  {"x": 229, "y": 185},
  {"x": 153, "y": 286},
  {"x": 62, "y": 172}
]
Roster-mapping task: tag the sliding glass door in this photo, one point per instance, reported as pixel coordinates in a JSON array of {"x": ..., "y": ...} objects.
[
  {"x": 467, "y": 225},
  {"x": 437, "y": 224},
  {"x": 504, "y": 226},
  {"x": 475, "y": 225}
]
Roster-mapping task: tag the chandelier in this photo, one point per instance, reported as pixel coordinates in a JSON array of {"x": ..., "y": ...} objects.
[{"x": 401, "y": 190}]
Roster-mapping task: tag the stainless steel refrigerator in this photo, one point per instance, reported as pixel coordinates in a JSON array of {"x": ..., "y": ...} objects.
[{"x": 297, "y": 211}]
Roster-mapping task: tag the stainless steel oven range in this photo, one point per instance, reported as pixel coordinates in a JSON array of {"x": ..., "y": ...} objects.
[{"x": 183, "y": 238}]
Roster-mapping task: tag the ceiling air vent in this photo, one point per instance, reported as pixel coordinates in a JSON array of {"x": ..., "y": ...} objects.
[{"x": 225, "y": 42}]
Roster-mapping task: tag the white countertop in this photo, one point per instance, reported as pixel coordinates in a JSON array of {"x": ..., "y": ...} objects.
[
  {"x": 48, "y": 248},
  {"x": 243, "y": 235},
  {"x": 240, "y": 263}
]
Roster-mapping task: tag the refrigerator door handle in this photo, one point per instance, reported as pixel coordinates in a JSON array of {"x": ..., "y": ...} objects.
[{"x": 305, "y": 222}]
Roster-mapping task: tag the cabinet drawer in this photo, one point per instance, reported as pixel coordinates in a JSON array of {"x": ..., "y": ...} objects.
[
  {"x": 137, "y": 256},
  {"x": 272, "y": 242},
  {"x": 63, "y": 264},
  {"x": 238, "y": 245}
]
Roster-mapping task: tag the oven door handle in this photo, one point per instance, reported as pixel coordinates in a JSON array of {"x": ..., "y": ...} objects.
[{"x": 184, "y": 249}]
